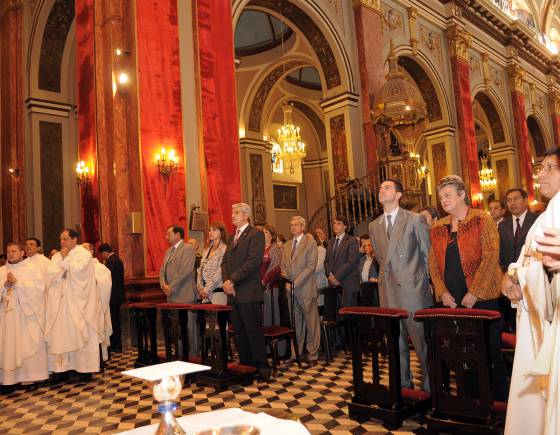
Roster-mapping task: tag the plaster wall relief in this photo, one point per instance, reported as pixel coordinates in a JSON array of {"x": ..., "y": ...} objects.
[
  {"x": 430, "y": 43},
  {"x": 393, "y": 21},
  {"x": 497, "y": 79},
  {"x": 475, "y": 66}
]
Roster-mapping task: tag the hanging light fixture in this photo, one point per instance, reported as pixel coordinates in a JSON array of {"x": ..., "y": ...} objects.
[
  {"x": 288, "y": 146},
  {"x": 486, "y": 175}
]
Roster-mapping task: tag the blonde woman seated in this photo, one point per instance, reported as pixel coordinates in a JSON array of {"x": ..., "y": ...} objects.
[{"x": 209, "y": 277}]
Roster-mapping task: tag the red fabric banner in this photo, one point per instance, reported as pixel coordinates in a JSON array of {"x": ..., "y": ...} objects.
[
  {"x": 87, "y": 143},
  {"x": 465, "y": 123},
  {"x": 522, "y": 139},
  {"x": 159, "y": 90},
  {"x": 218, "y": 103},
  {"x": 556, "y": 129}
]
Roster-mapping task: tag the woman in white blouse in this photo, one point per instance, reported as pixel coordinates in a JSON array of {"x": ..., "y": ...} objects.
[{"x": 209, "y": 277}]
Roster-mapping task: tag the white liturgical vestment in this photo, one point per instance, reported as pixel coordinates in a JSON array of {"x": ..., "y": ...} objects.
[
  {"x": 534, "y": 396},
  {"x": 104, "y": 284},
  {"x": 73, "y": 327},
  {"x": 41, "y": 262},
  {"x": 23, "y": 354}
]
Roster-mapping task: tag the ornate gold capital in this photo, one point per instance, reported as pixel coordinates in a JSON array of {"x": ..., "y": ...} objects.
[
  {"x": 459, "y": 42},
  {"x": 374, "y": 5},
  {"x": 516, "y": 78}
]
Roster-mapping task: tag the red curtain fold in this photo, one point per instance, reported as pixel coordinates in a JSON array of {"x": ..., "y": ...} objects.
[
  {"x": 556, "y": 129},
  {"x": 522, "y": 138},
  {"x": 465, "y": 123},
  {"x": 159, "y": 89},
  {"x": 218, "y": 104},
  {"x": 87, "y": 143}
]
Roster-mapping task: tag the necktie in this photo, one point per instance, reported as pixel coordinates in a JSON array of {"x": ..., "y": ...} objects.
[
  {"x": 336, "y": 243},
  {"x": 389, "y": 226},
  {"x": 167, "y": 262},
  {"x": 237, "y": 234},
  {"x": 294, "y": 246},
  {"x": 517, "y": 233}
]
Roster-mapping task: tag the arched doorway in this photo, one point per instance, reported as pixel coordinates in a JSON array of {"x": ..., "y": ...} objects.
[
  {"x": 286, "y": 57},
  {"x": 51, "y": 144}
]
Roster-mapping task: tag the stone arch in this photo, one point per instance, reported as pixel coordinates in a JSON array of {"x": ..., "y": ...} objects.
[
  {"x": 537, "y": 136},
  {"x": 499, "y": 106},
  {"x": 317, "y": 28},
  {"x": 496, "y": 125}
]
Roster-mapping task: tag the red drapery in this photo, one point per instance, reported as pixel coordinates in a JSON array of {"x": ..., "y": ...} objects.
[
  {"x": 159, "y": 89},
  {"x": 369, "y": 27},
  {"x": 218, "y": 106},
  {"x": 522, "y": 137},
  {"x": 465, "y": 120},
  {"x": 87, "y": 144},
  {"x": 556, "y": 128}
]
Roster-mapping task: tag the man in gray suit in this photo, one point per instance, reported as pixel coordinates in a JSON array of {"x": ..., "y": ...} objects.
[
  {"x": 401, "y": 241},
  {"x": 176, "y": 277},
  {"x": 299, "y": 261}
]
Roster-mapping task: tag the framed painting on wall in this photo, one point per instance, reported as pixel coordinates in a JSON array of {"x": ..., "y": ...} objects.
[{"x": 285, "y": 196}]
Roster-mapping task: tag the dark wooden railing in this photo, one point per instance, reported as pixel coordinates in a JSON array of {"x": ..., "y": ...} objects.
[{"x": 357, "y": 201}]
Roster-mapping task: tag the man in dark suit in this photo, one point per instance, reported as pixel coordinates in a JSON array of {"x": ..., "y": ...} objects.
[
  {"x": 244, "y": 288},
  {"x": 513, "y": 232},
  {"x": 341, "y": 262},
  {"x": 116, "y": 267}
]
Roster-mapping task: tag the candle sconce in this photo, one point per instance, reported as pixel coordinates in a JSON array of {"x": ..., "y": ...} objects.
[
  {"x": 82, "y": 173},
  {"x": 167, "y": 162}
]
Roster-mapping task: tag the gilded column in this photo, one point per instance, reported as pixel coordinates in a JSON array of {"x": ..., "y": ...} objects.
[
  {"x": 459, "y": 43},
  {"x": 516, "y": 81},
  {"x": 11, "y": 112},
  {"x": 369, "y": 31}
]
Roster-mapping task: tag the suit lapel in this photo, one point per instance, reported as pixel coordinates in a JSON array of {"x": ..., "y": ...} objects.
[
  {"x": 342, "y": 242},
  {"x": 400, "y": 222},
  {"x": 298, "y": 248},
  {"x": 242, "y": 238},
  {"x": 527, "y": 224},
  {"x": 379, "y": 229}
]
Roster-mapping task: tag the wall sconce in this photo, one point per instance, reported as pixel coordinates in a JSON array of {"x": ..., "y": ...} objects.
[
  {"x": 14, "y": 172},
  {"x": 123, "y": 78},
  {"x": 82, "y": 173},
  {"x": 167, "y": 162},
  {"x": 122, "y": 52}
]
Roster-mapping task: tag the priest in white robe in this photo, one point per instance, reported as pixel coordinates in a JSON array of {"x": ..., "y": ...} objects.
[
  {"x": 32, "y": 246},
  {"x": 104, "y": 284},
  {"x": 533, "y": 399},
  {"x": 73, "y": 328},
  {"x": 23, "y": 353}
]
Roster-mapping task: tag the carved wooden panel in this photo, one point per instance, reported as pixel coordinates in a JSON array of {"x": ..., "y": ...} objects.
[
  {"x": 52, "y": 185},
  {"x": 502, "y": 176},
  {"x": 339, "y": 151},
  {"x": 439, "y": 157},
  {"x": 257, "y": 189}
]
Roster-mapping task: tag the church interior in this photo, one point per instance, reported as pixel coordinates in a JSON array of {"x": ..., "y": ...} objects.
[{"x": 121, "y": 118}]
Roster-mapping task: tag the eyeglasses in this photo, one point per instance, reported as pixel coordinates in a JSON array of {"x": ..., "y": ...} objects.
[{"x": 548, "y": 168}]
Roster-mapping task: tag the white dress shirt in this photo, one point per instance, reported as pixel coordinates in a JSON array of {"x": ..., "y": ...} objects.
[
  {"x": 393, "y": 215},
  {"x": 521, "y": 220}
]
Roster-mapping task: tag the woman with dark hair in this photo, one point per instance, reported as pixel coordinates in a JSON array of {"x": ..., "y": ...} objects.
[
  {"x": 464, "y": 265},
  {"x": 209, "y": 276}
]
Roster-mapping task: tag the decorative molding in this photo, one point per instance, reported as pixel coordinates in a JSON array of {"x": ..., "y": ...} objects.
[
  {"x": 412, "y": 15},
  {"x": 516, "y": 78},
  {"x": 392, "y": 20},
  {"x": 497, "y": 78},
  {"x": 374, "y": 5},
  {"x": 485, "y": 68},
  {"x": 474, "y": 64},
  {"x": 432, "y": 41},
  {"x": 257, "y": 188},
  {"x": 338, "y": 101},
  {"x": 554, "y": 99},
  {"x": 312, "y": 33},
  {"x": 36, "y": 105},
  {"x": 459, "y": 42}
]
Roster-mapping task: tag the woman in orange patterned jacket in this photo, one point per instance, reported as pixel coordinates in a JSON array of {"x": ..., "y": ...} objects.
[{"x": 464, "y": 264}]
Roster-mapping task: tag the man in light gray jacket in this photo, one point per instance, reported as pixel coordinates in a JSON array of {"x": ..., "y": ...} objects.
[
  {"x": 176, "y": 277},
  {"x": 299, "y": 261},
  {"x": 401, "y": 241}
]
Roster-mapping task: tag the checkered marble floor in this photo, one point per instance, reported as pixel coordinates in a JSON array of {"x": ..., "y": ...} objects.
[{"x": 111, "y": 403}]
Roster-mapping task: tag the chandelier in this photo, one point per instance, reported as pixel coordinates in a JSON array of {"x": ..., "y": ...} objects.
[
  {"x": 486, "y": 175},
  {"x": 288, "y": 147}
]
